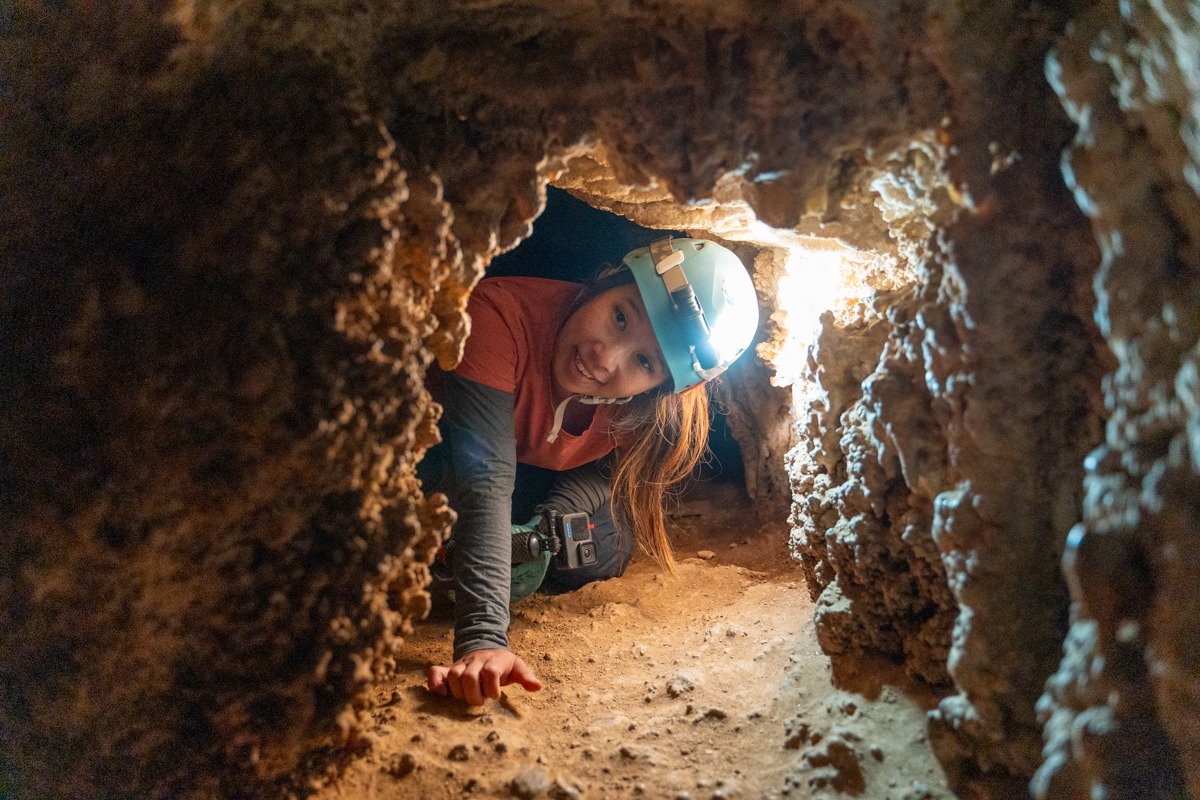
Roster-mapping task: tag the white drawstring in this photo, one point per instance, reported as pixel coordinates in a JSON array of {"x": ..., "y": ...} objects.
[{"x": 586, "y": 399}]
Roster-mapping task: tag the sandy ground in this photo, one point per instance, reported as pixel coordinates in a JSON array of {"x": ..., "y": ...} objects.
[{"x": 708, "y": 686}]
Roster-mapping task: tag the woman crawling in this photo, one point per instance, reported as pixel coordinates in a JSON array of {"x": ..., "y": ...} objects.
[{"x": 572, "y": 400}]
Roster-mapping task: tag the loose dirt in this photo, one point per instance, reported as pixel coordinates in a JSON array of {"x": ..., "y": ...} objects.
[{"x": 710, "y": 685}]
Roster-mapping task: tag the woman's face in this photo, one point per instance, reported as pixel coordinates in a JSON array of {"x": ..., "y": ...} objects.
[{"x": 607, "y": 348}]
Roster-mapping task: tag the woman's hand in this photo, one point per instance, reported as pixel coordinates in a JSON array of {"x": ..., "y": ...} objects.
[{"x": 480, "y": 674}]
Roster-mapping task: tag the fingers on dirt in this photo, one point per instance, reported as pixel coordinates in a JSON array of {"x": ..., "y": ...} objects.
[
  {"x": 435, "y": 680},
  {"x": 491, "y": 679}
]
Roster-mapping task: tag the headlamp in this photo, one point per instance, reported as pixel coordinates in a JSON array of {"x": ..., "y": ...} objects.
[{"x": 687, "y": 310}]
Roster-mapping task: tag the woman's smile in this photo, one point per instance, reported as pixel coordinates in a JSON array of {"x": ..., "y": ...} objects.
[{"x": 584, "y": 370}]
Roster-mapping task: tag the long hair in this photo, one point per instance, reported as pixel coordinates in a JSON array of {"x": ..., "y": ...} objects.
[
  {"x": 665, "y": 437},
  {"x": 660, "y": 438}
]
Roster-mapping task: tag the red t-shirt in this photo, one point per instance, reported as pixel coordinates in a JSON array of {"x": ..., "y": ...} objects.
[{"x": 514, "y": 322}]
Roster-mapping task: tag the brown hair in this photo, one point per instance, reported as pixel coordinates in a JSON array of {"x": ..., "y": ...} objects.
[
  {"x": 661, "y": 437},
  {"x": 665, "y": 435}
]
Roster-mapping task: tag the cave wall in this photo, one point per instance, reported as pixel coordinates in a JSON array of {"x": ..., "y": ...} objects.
[
  {"x": 216, "y": 288},
  {"x": 1122, "y": 710},
  {"x": 237, "y": 234},
  {"x": 942, "y": 468}
]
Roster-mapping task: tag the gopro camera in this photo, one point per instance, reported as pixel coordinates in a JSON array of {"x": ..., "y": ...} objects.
[
  {"x": 578, "y": 544},
  {"x": 567, "y": 537}
]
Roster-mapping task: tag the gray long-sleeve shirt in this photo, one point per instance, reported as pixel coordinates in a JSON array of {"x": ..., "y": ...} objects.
[
  {"x": 479, "y": 454},
  {"x": 477, "y": 427}
]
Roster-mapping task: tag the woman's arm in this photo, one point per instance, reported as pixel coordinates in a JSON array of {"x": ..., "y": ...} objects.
[{"x": 478, "y": 429}]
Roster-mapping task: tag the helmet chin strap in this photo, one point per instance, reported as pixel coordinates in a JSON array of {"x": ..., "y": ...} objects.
[{"x": 586, "y": 399}]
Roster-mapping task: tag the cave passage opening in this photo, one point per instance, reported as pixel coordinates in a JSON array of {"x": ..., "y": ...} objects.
[
  {"x": 712, "y": 684},
  {"x": 571, "y": 240},
  {"x": 218, "y": 210}
]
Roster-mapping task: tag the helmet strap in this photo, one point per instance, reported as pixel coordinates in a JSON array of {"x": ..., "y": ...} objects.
[{"x": 586, "y": 399}]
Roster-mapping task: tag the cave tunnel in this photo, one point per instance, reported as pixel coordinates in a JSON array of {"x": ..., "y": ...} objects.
[{"x": 237, "y": 235}]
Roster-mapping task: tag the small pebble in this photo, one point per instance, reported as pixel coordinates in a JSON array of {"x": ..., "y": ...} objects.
[
  {"x": 705, "y": 554},
  {"x": 679, "y": 685},
  {"x": 529, "y": 783},
  {"x": 460, "y": 752},
  {"x": 401, "y": 765},
  {"x": 561, "y": 791}
]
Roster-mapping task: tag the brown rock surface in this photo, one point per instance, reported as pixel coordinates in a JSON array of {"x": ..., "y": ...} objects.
[
  {"x": 1123, "y": 706},
  {"x": 236, "y": 233}
]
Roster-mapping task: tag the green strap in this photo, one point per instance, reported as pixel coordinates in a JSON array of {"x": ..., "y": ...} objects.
[{"x": 527, "y": 577}]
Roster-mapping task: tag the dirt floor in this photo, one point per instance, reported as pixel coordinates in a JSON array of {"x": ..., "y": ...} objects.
[{"x": 709, "y": 686}]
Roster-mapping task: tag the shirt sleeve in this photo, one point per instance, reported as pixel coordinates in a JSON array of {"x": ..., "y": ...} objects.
[
  {"x": 490, "y": 355},
  {"x": 584, "y": 488},
  {"x": 478, "y": 428}
]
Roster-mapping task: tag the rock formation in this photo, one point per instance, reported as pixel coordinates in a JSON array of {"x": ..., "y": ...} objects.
[{"x": 237, "y": 233}]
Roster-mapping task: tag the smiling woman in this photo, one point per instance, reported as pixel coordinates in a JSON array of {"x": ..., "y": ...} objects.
[{"x": 560, "y": 386}]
